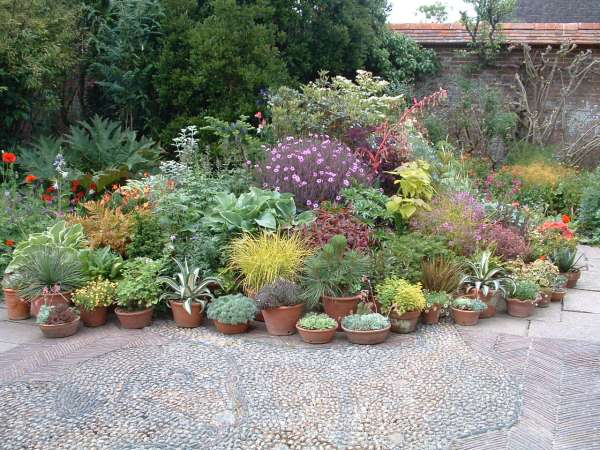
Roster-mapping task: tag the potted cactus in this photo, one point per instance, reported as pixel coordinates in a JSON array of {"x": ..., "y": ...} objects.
[
  {"x": 523, "y": 299},
  {"x": 465, "y": 311},
  {"x": 57, "y": 321},
  {"x": 436, "y": 303},
  {"x": 232, "y": 314},
  {"x": 93, "y": 300},
  {"x": 281, "y": 306},
  {"x": 317, "y": 328},
  {"x": 366, "y": 329},
  {"x": 402, "y": 301}
]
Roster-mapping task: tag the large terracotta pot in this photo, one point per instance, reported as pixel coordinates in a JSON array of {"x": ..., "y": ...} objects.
[
  {"x": 519, "y": 308},
  {"x": 465, "y": 318},
  {"x": 545, "y": 296},
  {"x": 60, "y": 331},
  {"x": 340, "y": 307},
  {"x": 432, "y": 316},
  {"x": 490, "y": 300},
  {"x": 367, "y": 337},
  {"x": 94, "y": 318},
  {"x": 17, "y": 308},
  {"x": 134, "y": 319},
  {"x": 317, "y": 336},
  {"x": 227, "y": 328},
  {"x": 185, "y": 320},
  {"x": 281, "y": 321},
  {"x": 62, "y": 298},
  {"x": 558, "y": 296},
  {"x": 572, "y": 278},
  {"x": 405, "y": 323}
]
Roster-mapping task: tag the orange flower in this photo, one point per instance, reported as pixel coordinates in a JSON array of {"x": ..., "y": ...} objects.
[
  {"x": 50, "y": 189},
  {"x": 30, "y": 178},
  {"x": 542, "y": 258},
  {"x": 9, "y": 158},
  {"x": 10, "y": 243},
  {"x": 566, "y": 218},
  {"x": 47, "y": 197}
]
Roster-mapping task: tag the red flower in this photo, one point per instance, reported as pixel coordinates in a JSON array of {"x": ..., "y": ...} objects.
[
  {"x": 75, "y": 185},
  {"x": 258, "y": 115},
  {"x": 566, "y": 218},
  {"x": 9, "y": 158},
  {"x": 30, "y": 178},
  {"x": 10, "y": 243},
  {"x": 50, "y": 189},
  {"x": 47, "y": 198},
  {"x": 93, "y": 187},
  {"x": 542, "y": 258}
]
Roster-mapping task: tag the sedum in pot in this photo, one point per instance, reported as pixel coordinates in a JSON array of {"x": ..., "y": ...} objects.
[
  {"x": 365, "y": 322},
  {"x": 315, "y": 321},
  {"x": 232, "y": 309}
]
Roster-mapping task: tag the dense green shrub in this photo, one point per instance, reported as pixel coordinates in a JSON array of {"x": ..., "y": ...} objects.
[
  {"x": 589, "y": 215},
  {"x": 232, "y": 309},
  {"x": 147, "y": 237}
]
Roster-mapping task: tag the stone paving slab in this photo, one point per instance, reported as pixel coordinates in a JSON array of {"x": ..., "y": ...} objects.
[
  {"x": 18, "y": 333},
  {"x": 564, "y": 331},
  {"x": 580, "y": 319},
  {"x": 501, "y": 323},
  {"x": 582, "y": 301}
]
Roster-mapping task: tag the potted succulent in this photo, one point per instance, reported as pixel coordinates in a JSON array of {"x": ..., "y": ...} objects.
[
  {"x": 524, "y": 298},
  {"x": 466, "y": 311},
  {"x": 232, "y": 314},
  {"x": 281, "y": 305},
  {"x": 334, "y": 276},
  {"x": 484, "y": 282},
  {"x": 402, "y": 301},
  {"x": 559, "y": 291},
  {"x": 436, "y": 303},
  {"x": 189, "y": 293},
  {"x": 317, "y": 328},
  {"x": 366, "y": 329},
  {"x": 93, "y": 300},
  {"x": 568, "y": 262},
  {"x": 16, "y": 307},
  {"x": 57, "y": 321},
  {"x": 138, "y": 292}
]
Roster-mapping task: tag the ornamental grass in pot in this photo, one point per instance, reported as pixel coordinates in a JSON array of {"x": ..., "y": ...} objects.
[
  {"x": 402, "y": 301},
  {"x": 17, "y": 308},
  {"x": 334, "y": 277},
  {"x": 317, "y": 328},
  {"x": 57, "y": 321},
  {"x": 366, "y": 329},
  {"x": 569, "y": 264},
  {"x": 523, "y": 300},
  {"x": 232, "y": 314},
  {"x": 436, "y": 303},
  {"x": 188, "y": 294},
  {"x": 281, "y": 305},
  {"x": 466, "y": 311},
  {"x": 138, "y": 292},
  {"x": 93, "y": 300}
]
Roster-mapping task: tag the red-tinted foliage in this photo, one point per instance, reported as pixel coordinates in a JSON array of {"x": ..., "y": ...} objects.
[{"x": 330, "y": 223}]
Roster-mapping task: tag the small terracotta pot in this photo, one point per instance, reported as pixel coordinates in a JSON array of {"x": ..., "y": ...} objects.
[
  {"x": 62, "y": 298},
  {"x": 134, "y": 319},
  {"x": 281, "y": 321},
  {"x": 317, "y": 336},
  {"x": 227, "y": 328},
  {"x": 405, "y": 323},
  {"x": 558, "y": 296},
  {"x": 465, "y": 318},
  {"x": 572, "y": 278},
  {"x": 185, "y": 320},
  {"x": 519, "y": 308},
  {"x": 432, "y": 316},
  {"x": 367, "y": 337},
  {"x": 340, "y": 307},
  {"x": 60, "y": 331},
  {"x": 489, "y": 300},
  {"x": 544, "y": 300},
  {"x": 94, "y": 318},
  {"x": 17, "y": 308}
]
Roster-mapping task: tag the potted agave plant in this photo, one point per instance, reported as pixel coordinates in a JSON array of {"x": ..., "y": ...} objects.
[
  {"x": 93, "y": 300},
  {"x": 281, "y": 306},
  {"x": 16, "y": 307},
  {"x": 436, "y": 303},
  {"x": 402, "y": 301},
  {"x": 334, "y": 277},
  {"x": 57, "y": 321},
  {"x": 189, "y": 293},
  {"x": 568, "y": 262},
  {"x": 366, "y": 329},
  {"x": 466, "y": 311},
  {"x": 523, "y": 299},
  {"x": 232, "y": 314},
  {"x": 317, "y": 328}
]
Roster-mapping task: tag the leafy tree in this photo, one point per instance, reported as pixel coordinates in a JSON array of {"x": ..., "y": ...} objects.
[{"x": 436, "y": 12}]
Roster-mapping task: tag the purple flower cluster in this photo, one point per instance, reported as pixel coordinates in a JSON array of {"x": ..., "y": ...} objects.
[{"x": 314, "y": 169}]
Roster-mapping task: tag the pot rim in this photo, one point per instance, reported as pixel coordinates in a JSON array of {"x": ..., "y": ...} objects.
[
  {"x": 367, "y": 331},
  {"x": 465, "y": 310},
  {"x": 231, "y": 324},
  {"x": 283, "y": 307},
  {"x": 520, "y": 301},
  {"x": 119, "y": 310},
  {"x": 351, "y": 298},
  {"x": 49, "y": 325},
  {"x": 298, "y": 327}
]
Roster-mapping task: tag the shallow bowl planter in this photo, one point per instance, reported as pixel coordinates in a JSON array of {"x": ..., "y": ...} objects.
[
  {"x": 16, "y": 308},
  {"x": 405, "y": 323},
  {"x": 317, "y": 336},
  {"x": 59, "y": 331},
  {"x": 185, "y": 320},
  {"x": 281, "y": 321},
  {"x": 134, "y": 319},
  {"x": 545, "y": 298},
  {"x": 572, "y": 278},
  {"x": 432, "y": 316},
  {"x": 465, "y": 318},
  {"x": 340, "y": 307},
  {"x": 228, "y": 328},
  {"x": 558, "y": 296},
  {"x": 519, "y": 308},
  {"x": 62, "y": 298},
  {"x": 94, "y": 318},
  {"x": 370, "y": 337},
  {"x": 490, "y": 300}
]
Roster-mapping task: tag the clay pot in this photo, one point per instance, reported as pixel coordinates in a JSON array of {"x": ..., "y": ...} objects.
[
  {"x": 367, "y": 337},
  {"x": 134, "y": 319},
  {"x": 572, "y": 278},
  {"x": 94, "y": 318},
  {"x": 17, "y": 308},
  {"x": 317, "y": 336},
  {"x": 544, "y": 300},
  {"x": 185, "y": 320},
  {"x": 432, "y": 316},
  {"x": 60, "y": 331},
  {"x": 558, "y": 296},
  {"x": 519, "y": 308},
  {"x": 227, "y": 328},
  {"x": 465, "y": 318},
  {"x": 405, "y": 323},
  {"x": 62, "y": 298},
  {"x": 489, "y": 300},
  {"x": 281, "y": 321},
  {"x": 340, "y": 307}
]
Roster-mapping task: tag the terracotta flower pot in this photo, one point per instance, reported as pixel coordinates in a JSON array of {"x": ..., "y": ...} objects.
[
  {"x": 317, "y": 336},
  {"x": 367, "y": 337},
  {"x": 281, "y": 321},
  {"x": 432, "y": 316},
  {"x": 185, "y": 320},
  {"x": 572, "y": 278},
  {"x": 544, "y": 300},
  {"x": 62, "y": 298},
  {"x": 94, "y": 318},
  {"x": 227, "y": 328},
  {"x": 558, "y": 296},
  {"x": 519, "y": 308},
  {"x": 465, "y": 318},
  {"x": 405, "y": 323},
  {"x": 60, "y": 331},
  {"x": 134, "y": 319},
  {"x": 489, "y": 300},
  {"x": 340, "y": 307},
  {"x": 17, "y": 308}
]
